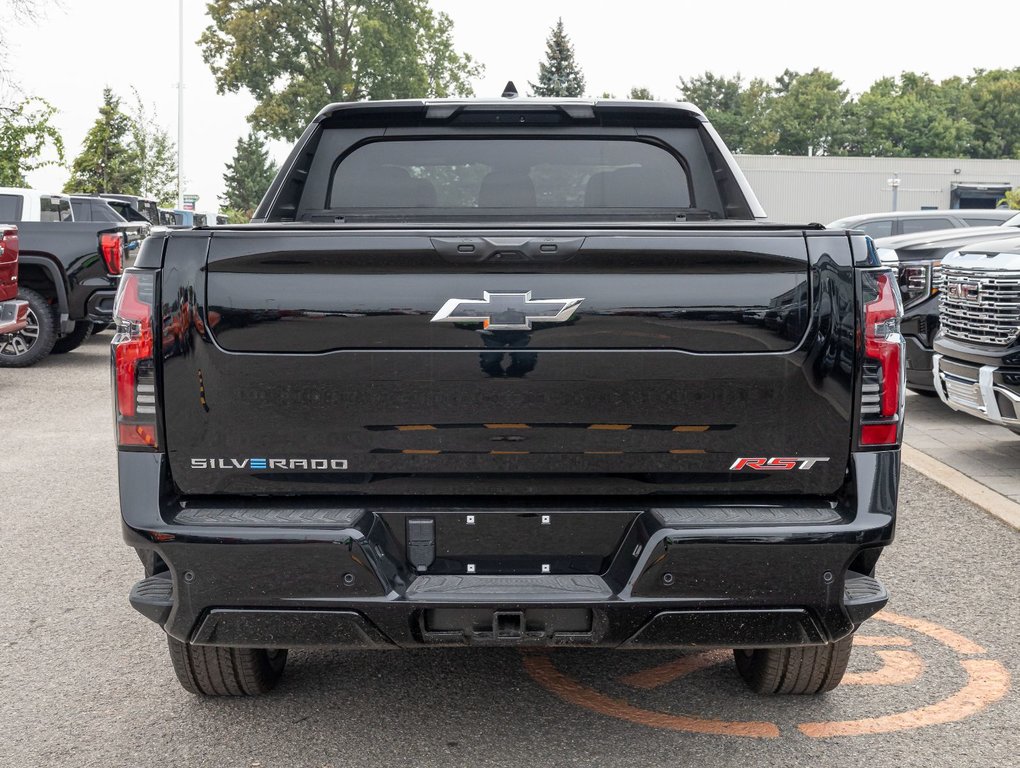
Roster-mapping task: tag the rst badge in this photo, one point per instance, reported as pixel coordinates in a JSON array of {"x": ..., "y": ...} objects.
[
  {"x": 776, "y": 464},
  {"x": 512, "y": 311}
]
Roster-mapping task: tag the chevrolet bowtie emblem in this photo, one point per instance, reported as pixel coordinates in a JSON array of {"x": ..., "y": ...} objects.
[{"x": 507, "y": 311}]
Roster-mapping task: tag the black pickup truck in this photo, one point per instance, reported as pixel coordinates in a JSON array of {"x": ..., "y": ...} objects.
[
  {"x": 68, "y": 273},
  {"x": 503, "y": 373}
]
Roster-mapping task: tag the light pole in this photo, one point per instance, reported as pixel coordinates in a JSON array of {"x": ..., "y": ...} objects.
[
  {"x": 180, "y": 104},
  {"x": 894, "y": 182}
]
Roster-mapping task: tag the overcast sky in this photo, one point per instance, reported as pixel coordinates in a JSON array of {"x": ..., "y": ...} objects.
[{"x": 84, "y": 45}]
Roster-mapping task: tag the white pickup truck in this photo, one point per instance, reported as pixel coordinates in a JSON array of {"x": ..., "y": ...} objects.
[{"x": 18, "y": 205}]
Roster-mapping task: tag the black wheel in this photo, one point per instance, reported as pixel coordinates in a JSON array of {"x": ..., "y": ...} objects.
[
  {"x": 74, "y": 339},
  {"x": 924, "y": 392},
  {"x": 33, "y": 342},
  {"x": 214, "y": 671},
  {"x": 806, "y": 669}
]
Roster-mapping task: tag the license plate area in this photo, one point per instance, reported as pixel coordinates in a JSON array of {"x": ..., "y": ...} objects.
[{"x": 515, "y": 543}]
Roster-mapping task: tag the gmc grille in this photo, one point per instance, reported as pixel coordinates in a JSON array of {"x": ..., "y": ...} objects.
[{"x": 980, "y": 306}]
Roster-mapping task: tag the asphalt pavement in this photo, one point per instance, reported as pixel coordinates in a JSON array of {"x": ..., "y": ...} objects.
[{"x": 85, "y": 681}]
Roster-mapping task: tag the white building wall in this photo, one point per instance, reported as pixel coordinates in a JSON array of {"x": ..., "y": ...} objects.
[{"x": 822, "y": 189}]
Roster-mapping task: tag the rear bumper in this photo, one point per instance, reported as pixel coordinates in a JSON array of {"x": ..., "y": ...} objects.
[
  {"x": 13, "y": 316},
  {"x": 314, "y": 575},
  {"x": 99, "y": 308}
]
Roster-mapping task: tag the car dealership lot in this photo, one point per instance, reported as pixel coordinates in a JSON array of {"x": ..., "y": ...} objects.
[{"x": 86, "y": 680}]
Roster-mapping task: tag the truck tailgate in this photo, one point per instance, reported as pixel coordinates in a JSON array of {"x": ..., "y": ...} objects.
[{"x": 527, "y": 363}]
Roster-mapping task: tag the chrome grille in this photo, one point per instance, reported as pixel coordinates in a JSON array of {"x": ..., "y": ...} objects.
[{"x": 980, "y": 305}]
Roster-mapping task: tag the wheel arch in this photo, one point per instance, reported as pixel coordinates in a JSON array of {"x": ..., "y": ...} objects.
[{"x": 43, "y": 275}]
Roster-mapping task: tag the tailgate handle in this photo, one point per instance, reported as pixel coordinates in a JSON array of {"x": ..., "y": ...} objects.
[{"x": 464, "y": 250}]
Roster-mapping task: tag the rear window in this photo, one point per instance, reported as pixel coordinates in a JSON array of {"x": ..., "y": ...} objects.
[
  {"x": 926, "y": 224},
  {"x": 876, "y": 229},
  {"x": 55, "y": 209},
  {"x": 149, "y": 210},
  {"x": 510, "y": 174},
  {"x": 10, "y": 209}
]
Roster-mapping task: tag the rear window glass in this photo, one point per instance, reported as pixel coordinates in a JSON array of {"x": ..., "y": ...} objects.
[
  {"x": 510, "y": 173},
  {"x": 925, "y": 225},
  {"x": 10, "y": 209},
  {"x": 149, "y": 210},
  {"x": 54, "y": 209},
  {"x": 876, "y": 229}
]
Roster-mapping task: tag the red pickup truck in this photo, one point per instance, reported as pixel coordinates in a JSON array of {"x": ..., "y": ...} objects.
[{"x": 13, "y": 313}]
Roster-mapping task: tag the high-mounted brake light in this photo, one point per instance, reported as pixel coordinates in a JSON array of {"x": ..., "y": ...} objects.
[
  {"x": 882, "y": 378},
  {"x": 111, "y": 246},
  {"x": 134, "y": 371}
]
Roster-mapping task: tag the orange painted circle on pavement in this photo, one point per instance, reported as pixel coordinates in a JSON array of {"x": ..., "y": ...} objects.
[{"x": 987, "y": 681}]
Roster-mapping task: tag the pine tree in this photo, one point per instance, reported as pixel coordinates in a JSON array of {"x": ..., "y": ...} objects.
[
  {"x": 247, "y": 177},
  {"x": 108, "y": 162},
  {"x": 155, "y": 154},
  {"x": 559, "y": 75}
]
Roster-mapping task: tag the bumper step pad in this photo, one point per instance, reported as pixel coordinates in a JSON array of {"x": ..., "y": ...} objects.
[
  {"x": 466, "y": 589},
  {"x": 863, "y": 596},
  {"x": 708, "y": 517},
  {"x": 153, "y": 597},
  {"x": 270, "y": 516}
]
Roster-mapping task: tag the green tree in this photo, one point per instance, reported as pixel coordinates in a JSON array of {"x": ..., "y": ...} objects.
[
  {"x": 25, "y": 134},
  {"x": 108, "y": 162},
  {"x": 154, "y": 154},
  {"x": 909, "y": 116},
  {"x": 296, "y": 56},
  {"x": 737, "y": 111},
  {"x": 809, "y": 110},
  {"x": 993, "y": 107},
  {"x": 247, "y": 178},
  {"x": 640, "y": 94},
  {"x": 559, "y": 75}
]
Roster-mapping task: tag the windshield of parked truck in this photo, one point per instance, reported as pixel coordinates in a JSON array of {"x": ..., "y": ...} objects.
[{"x": 510, "y": 174}]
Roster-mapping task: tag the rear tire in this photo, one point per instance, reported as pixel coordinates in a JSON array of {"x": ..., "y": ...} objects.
[
  {"x": 806, "y": 669},
  {"x": 73, "y": 340},
  {"x": 31, "y": 344},
  {"x": 214, "y": 671}
]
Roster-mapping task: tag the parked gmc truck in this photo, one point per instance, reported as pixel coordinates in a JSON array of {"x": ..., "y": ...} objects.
[
  {"x": 977, "y": 353},
  {"x": 512, "y": 372}
]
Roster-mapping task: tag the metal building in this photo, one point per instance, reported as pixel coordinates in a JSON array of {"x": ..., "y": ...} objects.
[{"x": 806, "y": 189}]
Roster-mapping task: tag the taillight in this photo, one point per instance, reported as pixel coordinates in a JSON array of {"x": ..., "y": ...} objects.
[
  {"x": 8, "y": 263},
  {"x": 882, "y": 381},
  {"x": 111, "y": 246},
  {"x": 134, "y": 370}
]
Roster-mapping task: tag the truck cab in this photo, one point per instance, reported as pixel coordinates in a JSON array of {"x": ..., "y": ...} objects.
[{"x": 25, "y": 205}]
